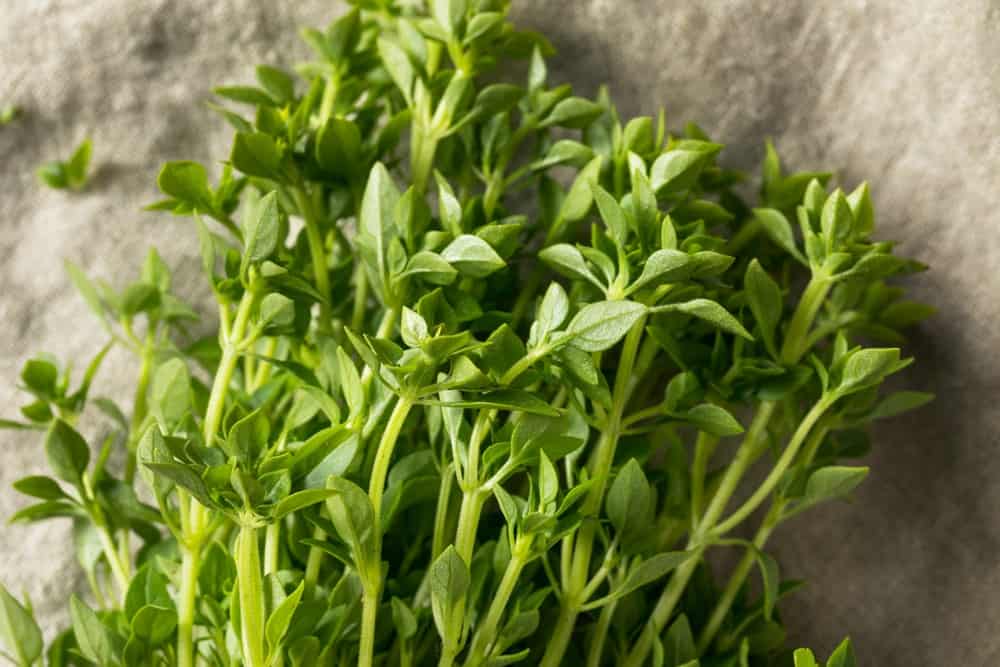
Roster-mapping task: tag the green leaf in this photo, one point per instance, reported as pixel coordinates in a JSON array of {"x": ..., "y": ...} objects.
[
  {"x": 186, "y": 182},
  {"x": 552, "y": 311},
  {"x": 862, "y": 210},
  {"x": 677, "y": 170},
  {"x": 170, "y": 395},
  {"x": 279, "y": 85},
  {"x": 836, "y": 218},
  {"x": 777, "y": 227},
  {"x": 431, "y": 267},
  {"x": 375, "y": 220},
  {"x": 351, "y": 512},
  {"x": 67, "y": 452},
  {"x": 612, "y": 214},
  {"x": 580, "y": 197},
  {"x": 900, "y": 402},
  {"x": 653, "y": 568},
  {"x": 154, "y": 624},
  {"x": 569, "y": 261},
  {"x": 831, "y": 483},
  {"x": 39, "y": 486},
  {"x": 450, "y": 211},
  {"x": 711, "y": 312},
  {"x": 19, "y": 633},
  {"x": 398, "y": 65},
  {"x": 76, "y": 167},
  {"x": 92, "y": 636},
  {"x": 256, "y": 154},
  {"x": 87, "y": 290},
  {"x": 40, "y": 376},
  {"x": 713, "y": 420},
  {"x": 599, "y": 326},
  {"x": 573, "y": 112},
  {"x": 403, "y": 619},
  {"x": 139, "y": 298},
  {"x": 262, "y": 231},
  {"x": 515, "y": 400},
  {"x": 299, "y": 500},
  {"x": 565, "y": 151},
  {"x": 472, "y": 256},
  {"x": 630, "y": 501},
  {"x": 803, "y": 657},
  {"x": 449, "y": 577},
  {"x": 843, "y": 656},
  {"x": 868, "y": 367},
  {"x": 277, "y": 314},
  {"x": 53, "y": 174},
  {"x": 350, "y": 382},
  {"x": 497, "y": 98},
  {"x": 663, "y": 266},
  {"x": 244, "y": 95},
  {"x": 413, "y": 328},
  {"x": 771, "y": 579},
  {"x": 338, "y": 147},
  {"x": 280, "y": 619},
  {"x": 678, "y": 643},
  {"x": 764, "y": 298}
]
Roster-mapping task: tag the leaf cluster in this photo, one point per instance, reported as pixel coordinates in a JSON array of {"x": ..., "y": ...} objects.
[{"x": 491, "y": 372}]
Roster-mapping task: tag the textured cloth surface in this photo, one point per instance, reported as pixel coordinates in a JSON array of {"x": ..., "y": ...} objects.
[{"x": 906, "y": 95}]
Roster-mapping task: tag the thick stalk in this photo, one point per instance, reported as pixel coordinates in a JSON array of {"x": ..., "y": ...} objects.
[
  {"x": 679, "y": 579},
  {"x": 195, "y": 528},
  {"x": 468, "y": 522},
  {"x": 372, "y": 578},
  {"x": 774, "y": 477},
  {"x": 140, "y": 407},
  {"x": 251, "y": 597},
  {"x": 369, "y": 615},
  {"x": 317, "y": 252},
  {"x": 383, "y": 457},
  {"x": 486, "y": 635},
  {"x": 805, "y": 314},
  {"x": 600, "y": 467},
  {"x": 316, "y": 555},
  {"x": 792, "y": 350},
  {"x": 314, "y": 561},
  {"x": 703, "y": 449},
  {"x": 272, "y": 540},
  {"x": 118, "y": 569},
  {"x": 736, "y": 580},
  {"x": 662, "y": 612},
  {"x": 595, "y": 651},
  {"x": 741, "y": 571}
]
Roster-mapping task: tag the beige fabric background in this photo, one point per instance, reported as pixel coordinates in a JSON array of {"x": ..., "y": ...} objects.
[{"x": 904, "y": 94}]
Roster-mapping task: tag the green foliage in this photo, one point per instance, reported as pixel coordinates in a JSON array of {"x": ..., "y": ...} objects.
[
  {"x": 71, "y": 174},
  {"x": 479, "y": 342}
]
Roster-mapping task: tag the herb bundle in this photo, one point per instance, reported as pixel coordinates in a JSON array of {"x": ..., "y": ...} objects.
[{"x": 491, "y": 370}]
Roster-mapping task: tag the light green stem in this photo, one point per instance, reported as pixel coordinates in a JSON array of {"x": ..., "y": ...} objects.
[
  {"x": 797, "y": 335},
  {"x": 372, "y": 578},
  {"x": 662, "y": 612},
  {"x": 317, "y": 252},
  {"x": 600, "y": 467},
  {"x": 741, "y": 571},
  {"x": 251, "y": 597},
  {"x": 787, "y": 456},
  {"x": 272, "y": 540},
  {"x": 468, "y": 522},
  {"x": 595, "y": 651},
  {"x": 486, "y": 634},
  {"x": 198, "y": 516},
  {"x": 736, "y": 580}
]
